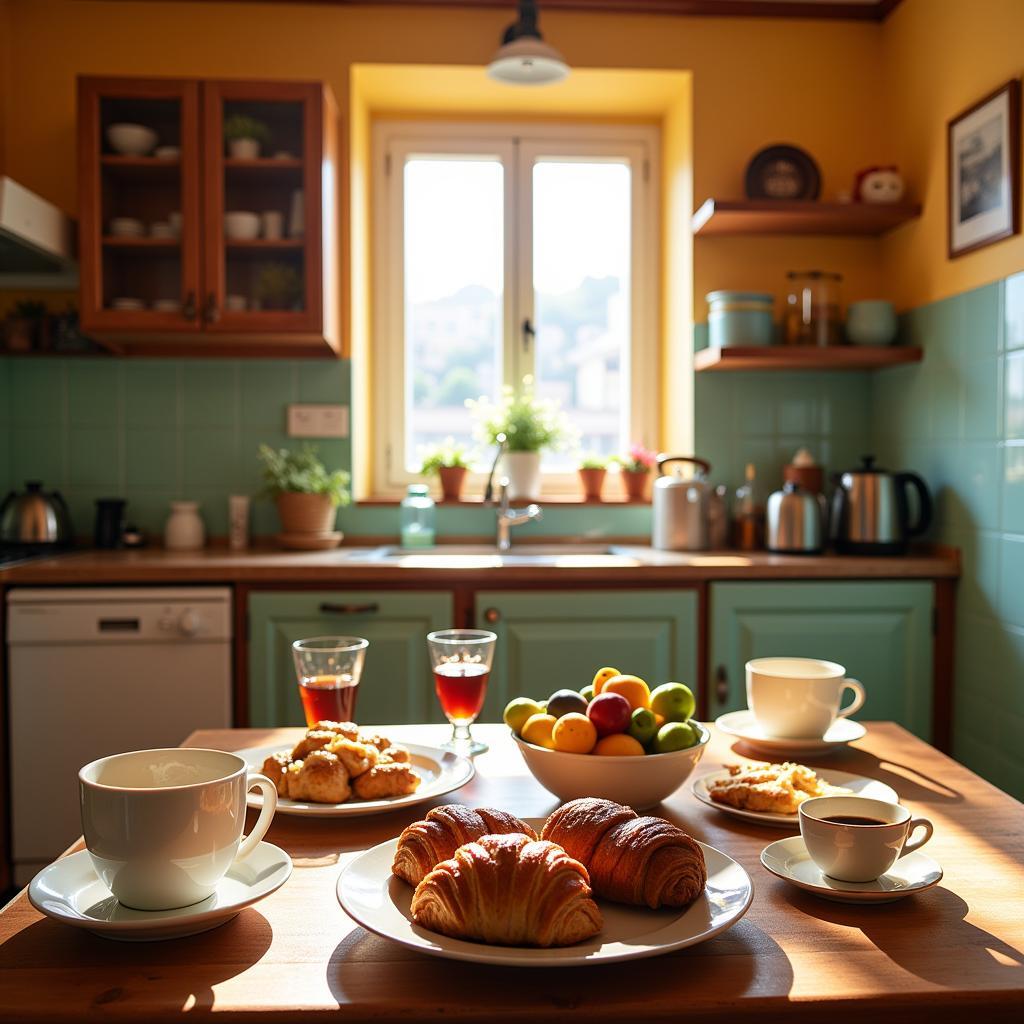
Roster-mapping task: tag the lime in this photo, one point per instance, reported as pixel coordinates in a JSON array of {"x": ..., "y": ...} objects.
[
  {"x": 674, "y": 736},
  {"x": 643, "y": 726},
  {"x": 673, "y": 700}
]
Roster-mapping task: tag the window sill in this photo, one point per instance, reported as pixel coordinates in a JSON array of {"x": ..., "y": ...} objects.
[{"x": 547, "y": 499}]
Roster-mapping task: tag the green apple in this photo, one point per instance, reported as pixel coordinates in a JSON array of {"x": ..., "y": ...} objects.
[
  {"x": 643, "y": 726},
  {"x": 588, "y": 692},
  {"x": 674, "y": 736},
  {"x": 518, "y": 711},
  {"x": 675, "y": 702}
]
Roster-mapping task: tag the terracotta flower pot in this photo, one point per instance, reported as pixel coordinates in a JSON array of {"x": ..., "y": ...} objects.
[
  {"x": 635, "y": 484},
  {"x": 452, "y": 479},
  {"x": 593, "y": 481},
  {"x": 306, "y": 513}
]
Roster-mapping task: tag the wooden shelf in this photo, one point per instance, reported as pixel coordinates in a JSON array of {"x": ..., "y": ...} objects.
[
  {"x": 798, "y": 217},
  {"x": 140, "y": 242},
  {"x": 800, "y": 357},
  {"x": 265, "y": 243}
]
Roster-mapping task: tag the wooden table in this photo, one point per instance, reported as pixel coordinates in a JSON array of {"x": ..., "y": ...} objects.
[{"x": 951, "y": 954}]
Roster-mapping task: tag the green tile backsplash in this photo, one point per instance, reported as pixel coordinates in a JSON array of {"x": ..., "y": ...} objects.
[{"x": 958, "y": 419}]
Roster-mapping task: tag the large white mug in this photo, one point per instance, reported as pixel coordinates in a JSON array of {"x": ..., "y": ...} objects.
[
  {"x": 855, "y": 838},
  {"x": 163, "y": 826},
  {"x": 798, "y": 698}
]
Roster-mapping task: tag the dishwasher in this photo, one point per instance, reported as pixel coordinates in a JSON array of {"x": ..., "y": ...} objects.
[{"x": 99, "y": 671}]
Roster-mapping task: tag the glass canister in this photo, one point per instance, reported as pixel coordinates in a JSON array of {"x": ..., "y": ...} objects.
[
  {"x": 418, "y": 516},
  {"x": 812, "y": 308}
]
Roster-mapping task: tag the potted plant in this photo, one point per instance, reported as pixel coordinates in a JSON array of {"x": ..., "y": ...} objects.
[
  {"x": 450, "y": 461},
  {"x": 306, "y": 493},
  {"x": 244, "y": 136},
  {"x": 592, "y": 470},
  {"x": 529, "y": 425},
  {"x": 636, "y": 470},
  {"x": 278, "y": 286}
]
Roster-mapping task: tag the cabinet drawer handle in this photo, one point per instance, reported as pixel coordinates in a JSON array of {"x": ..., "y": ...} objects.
[
  {"x": 721, "y": 685},
  {"x": 188, "y": 311},
  {"x": 492, "y": 615},
  {"x": 349, "y": 609}
]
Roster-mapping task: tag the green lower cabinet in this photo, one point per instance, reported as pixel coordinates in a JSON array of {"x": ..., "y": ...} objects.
[
  {"x": 397, "y": 684},
  {"x": 551, "y": 639},
  {"x": 881, "y": 631}
]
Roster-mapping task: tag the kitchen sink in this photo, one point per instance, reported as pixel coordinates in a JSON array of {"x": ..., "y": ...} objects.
[{"x": 480, "y": 556}]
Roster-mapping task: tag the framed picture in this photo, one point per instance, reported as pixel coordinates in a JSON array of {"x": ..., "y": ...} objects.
[{"x": 984, "y": 171}]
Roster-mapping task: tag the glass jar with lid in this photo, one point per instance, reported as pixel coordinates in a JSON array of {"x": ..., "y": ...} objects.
[
  {"x": 812, "y": 308},
  {"x": 418, "y": 515}
]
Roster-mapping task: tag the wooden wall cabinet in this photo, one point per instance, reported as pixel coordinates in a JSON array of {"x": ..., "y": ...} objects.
[{"x": 178, "y": 281}]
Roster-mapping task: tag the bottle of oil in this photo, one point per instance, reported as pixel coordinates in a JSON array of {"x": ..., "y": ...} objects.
[{"x": 748, "y": 515}]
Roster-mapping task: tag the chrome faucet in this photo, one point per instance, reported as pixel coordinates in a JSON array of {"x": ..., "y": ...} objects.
[{"x": 509, "y": 517}]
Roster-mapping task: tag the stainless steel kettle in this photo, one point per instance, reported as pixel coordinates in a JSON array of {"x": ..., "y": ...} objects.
[
  {"x": 871, "y": 510},
  {"x": 795, "y": 521},
  {"x": 34, "y": 517},
  {"x": 680, "y": 506}
]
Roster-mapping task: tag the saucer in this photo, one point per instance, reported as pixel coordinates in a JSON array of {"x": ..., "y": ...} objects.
[
  {"x": 789, "y": 860},
  {"x": 70, "y": 891},
  {"x": 743, "y": 726}
]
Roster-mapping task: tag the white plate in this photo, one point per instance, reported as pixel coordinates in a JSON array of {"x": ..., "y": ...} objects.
[
  {"x": 441, "y": 772},
  {"x": 379, "y": 901},
  {"x": 859, "y": 785},
  {"x": 743, "y": 725},
  {"x": 69, "y": 890},
  {"x": 789, "y": 860}
]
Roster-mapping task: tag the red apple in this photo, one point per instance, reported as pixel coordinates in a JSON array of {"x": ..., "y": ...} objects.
[{"x": 610, "y": 713}]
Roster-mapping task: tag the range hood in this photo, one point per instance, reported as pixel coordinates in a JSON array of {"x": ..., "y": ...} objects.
[{"x": 36, "y": 241}]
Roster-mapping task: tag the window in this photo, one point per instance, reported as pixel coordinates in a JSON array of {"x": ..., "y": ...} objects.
[{"x": 505, "y": 251}]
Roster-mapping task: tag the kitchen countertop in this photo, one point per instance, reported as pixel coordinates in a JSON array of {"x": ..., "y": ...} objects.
[
  {"x": 632, "y": 564},
  {"x": 949, "y": 954}
]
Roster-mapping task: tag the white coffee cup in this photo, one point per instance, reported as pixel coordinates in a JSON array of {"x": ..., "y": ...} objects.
[
  {"x": 273, "y": 224},
  {"x": 798, "y": 698},
  {"x": 858, "y": 852},
  {"x": 163, "y": 826}
]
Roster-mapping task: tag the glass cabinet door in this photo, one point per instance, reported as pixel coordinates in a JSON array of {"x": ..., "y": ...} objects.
[
  {"x": 263, "y": 249},
  {"x": 139, "y": 205}
]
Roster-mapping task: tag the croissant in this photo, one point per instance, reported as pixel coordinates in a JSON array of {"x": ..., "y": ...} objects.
[
  {"x": 509, "y": 890},
  {"x": 630, "y": 859}
]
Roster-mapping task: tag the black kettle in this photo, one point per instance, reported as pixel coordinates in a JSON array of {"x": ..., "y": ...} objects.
[{"x": 871, "y": 510}]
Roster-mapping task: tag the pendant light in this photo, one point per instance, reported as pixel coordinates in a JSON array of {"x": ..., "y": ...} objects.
[{"x": 524, "y": 57}]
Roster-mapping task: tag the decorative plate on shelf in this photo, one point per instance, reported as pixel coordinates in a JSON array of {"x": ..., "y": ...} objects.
[{"x": 782, "y": 172}]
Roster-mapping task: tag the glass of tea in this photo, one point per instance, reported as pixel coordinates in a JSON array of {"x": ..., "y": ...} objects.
[
  {"x": 461, "y": 659},
  {"x": 328, "y": 669}
]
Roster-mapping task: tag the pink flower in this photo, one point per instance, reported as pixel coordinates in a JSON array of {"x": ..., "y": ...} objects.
[{"x": 641, "y": 459}]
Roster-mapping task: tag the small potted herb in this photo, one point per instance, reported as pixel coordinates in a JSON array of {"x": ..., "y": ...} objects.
[
  {"x": 636, "y": 471},
  {"x": 592, "y": 470},
  {"x": 450, "y": 461},
  {"x": 278, "y": 286},
  {"x": 306, "y": 493},
  {"x": 244, "y": 136}
]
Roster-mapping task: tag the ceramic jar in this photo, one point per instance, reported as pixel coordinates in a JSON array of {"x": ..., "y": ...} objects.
[
  {"x": 872, "y": 322},
  {"x": 739, "y": 318},
  {"x": 184, "y": 530}
]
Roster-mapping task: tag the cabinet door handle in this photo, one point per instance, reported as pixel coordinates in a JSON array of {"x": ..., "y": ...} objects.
[
  {"x": 721, "y": 686},
  {"x": 327, "y": 608},
  {"x": 211, "y": 314},
  {"x": 492, "y": 615},
  {"x": 188, "y": 311}
]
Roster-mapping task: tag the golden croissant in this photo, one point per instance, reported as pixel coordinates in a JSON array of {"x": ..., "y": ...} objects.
[
  {"x": 424, "y": 844},
  {"x": 509, "y": 890},
  {"x": 630, "y": 859}
]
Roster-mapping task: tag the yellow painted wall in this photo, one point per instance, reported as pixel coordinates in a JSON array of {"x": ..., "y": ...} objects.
[
  {"x": 755, "y": 82},
  {"x": 939, "y": 57}
]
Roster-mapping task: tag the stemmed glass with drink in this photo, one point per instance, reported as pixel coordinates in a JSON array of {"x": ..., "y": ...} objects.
[
  {"x": 328, "y": 669},
  {"x": 461, "y": 659}
]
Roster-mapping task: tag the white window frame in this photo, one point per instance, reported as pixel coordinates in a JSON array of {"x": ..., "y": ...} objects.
[{"x": 517, "y": 145}]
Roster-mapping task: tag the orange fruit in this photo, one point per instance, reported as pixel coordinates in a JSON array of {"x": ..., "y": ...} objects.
[
  {"x": 537, "y": 729},
  {"x": 633, "y": 688},
  {"x": 574, "y": 733},
  {"x": 619, "y": 744},
  {"x": 602, "y": 676}
]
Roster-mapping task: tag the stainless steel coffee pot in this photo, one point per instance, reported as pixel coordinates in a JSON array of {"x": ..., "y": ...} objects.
[
  {"x": 871, "y": 510},
  {"x": 680, "y": 506},
  {"x": 795, "y": 521}
]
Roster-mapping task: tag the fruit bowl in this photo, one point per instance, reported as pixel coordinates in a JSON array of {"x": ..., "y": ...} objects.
[{"x": 640, "y": 781}]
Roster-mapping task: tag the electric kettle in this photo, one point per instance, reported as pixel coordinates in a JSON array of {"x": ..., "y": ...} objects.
[
  {"x": 34, "y": 517},
  {"x": 680, "y": 506},
  {"x": 871, "y": 511},
  {"x": 795, "y": 521}
]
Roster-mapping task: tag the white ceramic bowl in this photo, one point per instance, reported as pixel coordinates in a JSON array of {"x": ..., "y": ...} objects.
[
  {"x": 639, "y": 781},
  {"x": 126, "y": 227},
  {"x": 240, "y": 225},
  {"x": 131, "y": 139}
]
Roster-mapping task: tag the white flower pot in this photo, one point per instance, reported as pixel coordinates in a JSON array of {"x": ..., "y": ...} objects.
[
  {"x": 523, "y": 472},
  {"x": 244, "y": 149}
]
